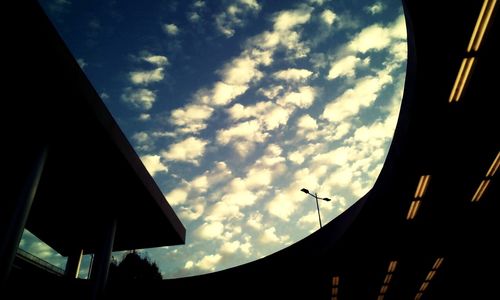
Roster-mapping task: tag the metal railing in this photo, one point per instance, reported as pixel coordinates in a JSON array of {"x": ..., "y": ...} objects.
[{"x": 45, "y": 265}]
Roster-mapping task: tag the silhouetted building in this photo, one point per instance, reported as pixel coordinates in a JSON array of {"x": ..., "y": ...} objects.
[{"x": 71, "y": 176}]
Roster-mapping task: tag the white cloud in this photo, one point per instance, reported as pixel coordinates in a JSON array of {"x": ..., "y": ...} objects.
[
  {"x": 230, "y": 247},
  {"x": 375, "y": 8},
  {"x": 146, "y": 77},
  {"x": 153, "y": 164},
  {"x": 144, "y": 117},
  {"x": 307, "y": 122},
  {"x": 304, "y": 98},
  {"x": 398, "y": 28},
  {"x": 141, "y": 137},
  {"x": 199, "y": 4},
  {"x": 271, "y": 92},
  {"x": 269, "y": 236},
  {"x": 287, "y": 20},
  {"x": 194, "y": 17},
  {"x": 255, "y": 220},
  {"x": 188, "y": 150},
  {"x": 177, "y": 196},
  {"x": 344, "y": 67},
  {"x": 362, "y": 95},
  {"x": 241, "y": 71},
  {"x": 191, "y": 118},
  {"x": 210, "y": 230},
  {"x": 171, "y": 29},
  {"x": 212, "y": 177},
  {"x": 192, "y": 212},
  {"x": 140, "y": 98},
  {"x": 223, "y": 211},
  {"x": 189, "y": 264},
  {"x": 293, "y": 74},
  {"x": 209, "y": 262},
  {"x": 82, "y": 63},
  {"x": 245, "y": 131},
  {"x": 269, "y": 115},
  {"x": 223, "y": 93},
  {"x": 233, "y": 16},
  {"x": 157, "y": 60},
  {"x": 328, "y": 17},
  {"x": 305, "y": 151},
  {"x": 373, "y": 37},
  {"x": 309, "y": 220}
]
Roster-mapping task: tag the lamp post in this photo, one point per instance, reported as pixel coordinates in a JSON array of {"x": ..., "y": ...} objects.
[{"x": 317, "y": 204}]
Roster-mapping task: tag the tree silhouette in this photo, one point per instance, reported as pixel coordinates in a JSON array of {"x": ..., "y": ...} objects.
[{"x": 134, "y": 267}]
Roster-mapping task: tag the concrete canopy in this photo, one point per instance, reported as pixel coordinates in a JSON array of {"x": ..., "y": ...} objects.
[{"x": 91, "y": 173}]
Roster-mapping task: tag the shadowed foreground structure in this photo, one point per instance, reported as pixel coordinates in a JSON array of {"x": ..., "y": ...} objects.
[
  {"x": 73, "y": 179},
  {"x": 428, "y": 229}
]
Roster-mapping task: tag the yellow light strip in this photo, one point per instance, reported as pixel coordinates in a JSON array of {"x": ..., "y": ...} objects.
[
  {"x": 457, "y": 80},
  {"x": 473, "y": 37},
  {"x": 418, "y": 296},
  {"x": 430, "y": 275},
  {"x": 412, "y": 212},
  {"x": 335, "y": 291},
  {"x": 387, "y": 278},
  {"x": 494, "y": 166},
  {"x": 392, "y": 266},
  {"x": 480, "y": 190},
  {"x": 438, "y": 263},
  {"x": 481, "y": 25},
  {"x": 335, "y": 281},
  {"x": 383, "y": 289},
  {"x": 422, "y": 186},
  {"x": 462, "y": 77},
  {"x": 424, "y": 286},
  {"x": 334, "y": 297},
  {"x": 380, "y": 297},
  {"x": 465, "y": 77}
]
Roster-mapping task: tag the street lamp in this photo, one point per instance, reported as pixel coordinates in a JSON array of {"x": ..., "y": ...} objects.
[{"x": 317, "y": 205}]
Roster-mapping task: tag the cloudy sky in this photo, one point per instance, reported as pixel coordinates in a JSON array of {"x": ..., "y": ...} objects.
[{"x": 234, "y": 106}]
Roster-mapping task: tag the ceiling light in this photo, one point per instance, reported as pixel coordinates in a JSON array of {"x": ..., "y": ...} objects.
[
  {"x": 387, "y": 278},
  {"x": 430, "y": 275},
  {"x": 437, "y": 263},
  {"x": 383, "y": 289},
  {"x": 424, "y": 286},
  {"x": 480, "y": 190},
  {"x": 481, "y": 25},
  {"x": 422, "y": 186},
  {"x": 392, "y": 266},
  {"x": 494, "y": 166},
  {"x": 335, "y": 281},
  {"x": 462, "y": 77},
  {"x": 412, "y": 211}
]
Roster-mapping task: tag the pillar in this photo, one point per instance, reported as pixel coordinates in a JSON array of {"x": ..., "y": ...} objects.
[
  {"x": 73, "y": 264},
  {"x": 102, "y": 259},
  {"x": 17, "y": 220}
]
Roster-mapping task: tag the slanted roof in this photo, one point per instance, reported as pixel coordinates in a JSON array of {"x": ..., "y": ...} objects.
[{"x": 92, "y": 171}]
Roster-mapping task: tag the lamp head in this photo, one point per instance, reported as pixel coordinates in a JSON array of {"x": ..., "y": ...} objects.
[{"x": 305, "y": 191}]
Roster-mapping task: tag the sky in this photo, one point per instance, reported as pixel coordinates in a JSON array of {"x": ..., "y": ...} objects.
[{"x": 234, "y": 106}]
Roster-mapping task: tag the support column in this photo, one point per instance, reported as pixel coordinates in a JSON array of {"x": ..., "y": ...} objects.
[
  {"x": 102, "y": 259},
  {"x": 73, "y": 264},
  {"x": 17, "y": 221}
]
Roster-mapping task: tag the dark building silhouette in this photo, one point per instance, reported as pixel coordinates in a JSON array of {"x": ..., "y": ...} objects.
[
  {"x": 71, "y": 176},
  {"x": 428, "y": 229}
]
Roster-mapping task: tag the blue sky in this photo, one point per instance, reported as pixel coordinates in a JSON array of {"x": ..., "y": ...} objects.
[{"x": 234, "y": 106}]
